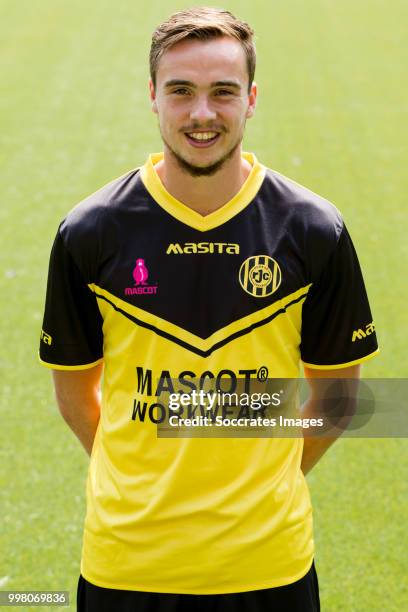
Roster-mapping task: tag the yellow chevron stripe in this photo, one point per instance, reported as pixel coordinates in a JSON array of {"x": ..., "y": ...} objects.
[{"x": 202, "y": 343}]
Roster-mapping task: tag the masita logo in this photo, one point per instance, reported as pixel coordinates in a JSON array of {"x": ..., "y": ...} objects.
[
  {"x": 260, "y": 275},
  {"x": 189, "y": 248},
  {"x": 140, "y": 276},
  {"x": 46, "y": 338},
  {"x": 359, "y": 334}
]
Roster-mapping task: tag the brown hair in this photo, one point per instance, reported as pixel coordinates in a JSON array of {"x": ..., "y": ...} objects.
[{"x": 202, "y": 23}]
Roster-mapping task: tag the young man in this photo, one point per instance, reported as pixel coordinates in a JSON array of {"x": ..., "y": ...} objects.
[{"x": 201, "y": 266}]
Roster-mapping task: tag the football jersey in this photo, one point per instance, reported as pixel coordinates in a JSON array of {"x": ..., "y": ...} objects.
[{"x": 157, "y": 292}]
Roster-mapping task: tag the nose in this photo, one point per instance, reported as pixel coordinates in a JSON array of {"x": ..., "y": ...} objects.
[{"x": 202, "y": 111}]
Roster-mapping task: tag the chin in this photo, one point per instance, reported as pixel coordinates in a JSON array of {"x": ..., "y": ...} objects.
[
  {"x": 195, "y": 168},
  {"x": 199, "y": 163}
]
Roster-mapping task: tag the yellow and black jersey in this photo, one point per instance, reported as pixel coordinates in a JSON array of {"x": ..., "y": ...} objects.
[{"x": 141, "y": 281}]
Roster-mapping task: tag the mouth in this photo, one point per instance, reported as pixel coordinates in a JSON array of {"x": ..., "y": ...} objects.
[{"x": 202, "y": 139}]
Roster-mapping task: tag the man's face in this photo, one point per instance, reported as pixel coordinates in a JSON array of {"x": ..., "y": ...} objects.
[{"x": 202, "y": 102}]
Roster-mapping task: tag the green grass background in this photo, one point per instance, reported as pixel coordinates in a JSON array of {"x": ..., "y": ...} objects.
[{"x": 74, "y": 111}]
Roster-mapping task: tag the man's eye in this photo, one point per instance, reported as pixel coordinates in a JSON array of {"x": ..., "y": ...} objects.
[
  {"x": 181, "y": 91},
  {"x": 223, "y": 92}
]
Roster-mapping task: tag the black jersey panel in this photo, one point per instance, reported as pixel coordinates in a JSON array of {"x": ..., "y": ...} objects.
[
  {"x": 121, "y": 240},
  {"x": 72, "y": 327},
  {"x": 337, "y": 325},
  {"x": 124, "y": 242}
]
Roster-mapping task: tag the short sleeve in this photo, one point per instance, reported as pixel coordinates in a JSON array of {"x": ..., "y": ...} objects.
[
  {"x": 71, "y": 337},
  {"x": 337, "y": 325}
]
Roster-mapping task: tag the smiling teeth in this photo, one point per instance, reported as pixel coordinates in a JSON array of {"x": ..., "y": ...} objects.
[{"x": 203, "y": 135}]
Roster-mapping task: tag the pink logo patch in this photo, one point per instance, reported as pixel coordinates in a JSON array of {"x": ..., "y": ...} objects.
[
  {"x": 140, "y": 273},
  {"x": 140, "y": 276}
]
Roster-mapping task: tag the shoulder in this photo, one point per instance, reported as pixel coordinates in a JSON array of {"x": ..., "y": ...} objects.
[
  {"x": 86, "y": 217},
  {"x": 306, "y": 207},
  {"x": 87, "y": 230},
  {"x": 313, "y": 223}
]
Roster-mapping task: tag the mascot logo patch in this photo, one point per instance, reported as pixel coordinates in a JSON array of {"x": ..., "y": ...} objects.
[
  {"x": 260, "y": 275},
  {"x": 140, "y": 275}
]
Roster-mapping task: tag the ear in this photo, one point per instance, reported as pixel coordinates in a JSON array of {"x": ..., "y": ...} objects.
[
  {"x": 252, "y": 100},
  {"x": 153, "y": 96}
]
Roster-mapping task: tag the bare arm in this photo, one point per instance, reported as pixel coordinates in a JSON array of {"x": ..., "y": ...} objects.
[
  {"x": 314, "y": 447},
  {"x": 78, "y": 397}
]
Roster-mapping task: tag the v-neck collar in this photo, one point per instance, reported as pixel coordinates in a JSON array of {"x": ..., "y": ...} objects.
[{"x": 187, "y": 215}]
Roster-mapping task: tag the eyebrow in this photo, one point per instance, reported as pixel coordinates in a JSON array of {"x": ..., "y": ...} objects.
[{"x": 174, "y": 82}]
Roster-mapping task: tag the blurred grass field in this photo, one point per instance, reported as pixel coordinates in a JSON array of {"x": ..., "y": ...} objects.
[{"x": 332, "y": 115}]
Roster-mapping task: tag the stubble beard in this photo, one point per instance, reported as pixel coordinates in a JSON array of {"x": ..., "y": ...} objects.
[{"x": 210, "y": 170}]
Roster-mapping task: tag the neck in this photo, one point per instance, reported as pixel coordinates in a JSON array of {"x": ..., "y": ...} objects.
[{"x": 204, "y": 194}]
